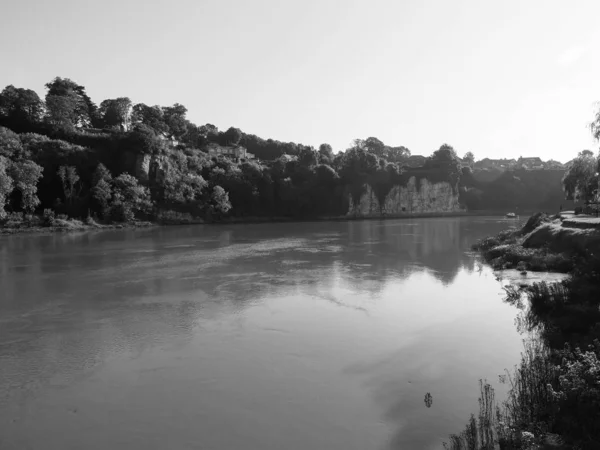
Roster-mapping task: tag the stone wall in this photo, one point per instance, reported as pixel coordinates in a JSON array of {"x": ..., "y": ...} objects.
[{"x": 410, "y": 199}]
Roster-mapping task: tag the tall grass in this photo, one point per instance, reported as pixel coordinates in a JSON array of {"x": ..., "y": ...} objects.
[{"x": 524, "y": 418}]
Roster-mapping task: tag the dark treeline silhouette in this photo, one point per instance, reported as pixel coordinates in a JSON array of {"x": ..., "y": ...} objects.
[{"x": 118, "y": 161}]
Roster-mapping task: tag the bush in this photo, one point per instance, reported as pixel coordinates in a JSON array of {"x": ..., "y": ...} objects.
[
  {"x": 121, "y": 212},
  {"x": 170, "y": 217},
  {"x": 14, "y": 220},
  {"x": 48, "y": 217}
]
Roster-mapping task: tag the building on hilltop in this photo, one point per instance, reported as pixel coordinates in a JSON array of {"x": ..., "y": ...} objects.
[
  {"x": 534, "y": 163},
  {"x": 498, "y": 164},
  {"x": 237, "y": 152}
]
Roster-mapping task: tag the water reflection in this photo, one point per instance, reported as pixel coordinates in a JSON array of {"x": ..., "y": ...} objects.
[{"x": 388, "y": 295}]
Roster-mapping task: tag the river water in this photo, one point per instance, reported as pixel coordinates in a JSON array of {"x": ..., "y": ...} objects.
[{"x": 301, "y": 336}]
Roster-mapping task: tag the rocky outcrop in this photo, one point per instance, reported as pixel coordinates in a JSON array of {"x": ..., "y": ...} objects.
[
  {"x": 149, "y": 167},
  {"x": 142, "y": 167},
  {"x": 424, "y": 198}
]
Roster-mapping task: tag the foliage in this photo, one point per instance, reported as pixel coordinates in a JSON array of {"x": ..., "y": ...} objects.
[
  {"x": 580, "y": 182},
  {"x": 70, "y": 179},
  {"x": 26, "y": 175},
  {"x": 6, "y": 185},
  {"x": 68, "y": 104},
  {"x": 21, "y": 105},
  {"x": 116, "y": 113}
]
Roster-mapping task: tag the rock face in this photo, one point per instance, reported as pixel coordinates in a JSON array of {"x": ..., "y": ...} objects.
[
  {"x": 148, "y": 167},
  {"x": 410, "y": 199},
  {"x": 142, "y": 167}
]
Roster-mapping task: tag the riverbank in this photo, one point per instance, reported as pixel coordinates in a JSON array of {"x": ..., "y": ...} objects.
[
  {"x": 69, "y": 225},
  {"x": 543, "y": 243},
  {"x": 554, "y": 396}
]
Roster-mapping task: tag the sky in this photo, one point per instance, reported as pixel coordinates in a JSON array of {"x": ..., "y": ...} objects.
[{"x": 499, "y": 79}]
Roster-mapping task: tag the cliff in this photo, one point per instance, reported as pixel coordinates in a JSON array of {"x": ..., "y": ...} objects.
[{"x": 422, "y": 198}]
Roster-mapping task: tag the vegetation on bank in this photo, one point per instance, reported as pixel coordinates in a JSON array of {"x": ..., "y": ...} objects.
[
  {"x": 120, "y": 162},
  {"x": 554, "y": 396},
  {"x": 544, "y": 243}
]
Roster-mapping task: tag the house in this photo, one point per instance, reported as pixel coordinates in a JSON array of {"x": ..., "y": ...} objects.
[
  {"x": 237, "y": 152},
  {"x": 535, "y": 163},
  {"x": 498, "y": 164}
]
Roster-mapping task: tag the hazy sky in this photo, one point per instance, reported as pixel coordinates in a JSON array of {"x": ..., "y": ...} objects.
[{"x": 498, "y": 78}]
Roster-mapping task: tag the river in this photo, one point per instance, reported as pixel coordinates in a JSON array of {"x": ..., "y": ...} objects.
[{"x": 324, "y": 335}]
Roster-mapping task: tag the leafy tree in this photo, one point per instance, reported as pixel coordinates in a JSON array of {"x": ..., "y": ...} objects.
[
  {"x": 69, "y": 178},
  {"x": 325, "y": 154},
  {"x": 68, "y": 104},
  {"x": 580, "y": 182},
  {"x": 469, "y": 158},
  {"x": 445, "y": 160},
  {"x": 375, "y": 146},
  {"x": 6, "y": 184},
  {"x": 179, "y": 183},
  {"x": 62, "y": 112},
  {"x": 308, "y": 157},
  {"x": 150, "y": 116},
  {"x": 397, "y": 154},
  {"x": 26, "y": 175},
  {"x": 21, "y": 105},
  {"x": 220, "y": 201},
  {"x": 116, "y": 113},
  {"x": 232, "y": 136},
  {"x": 128, "y": 198},
  {"x": 142, "y": 139},
  {"x": 174, "y": 118},
  {"x": 102, "y": 189},
  {"x": 356, "y": 167},
  {"x": 10, "y": 144}
]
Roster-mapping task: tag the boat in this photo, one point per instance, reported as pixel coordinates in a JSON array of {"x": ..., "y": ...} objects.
[{"x": 511, "y": 216}]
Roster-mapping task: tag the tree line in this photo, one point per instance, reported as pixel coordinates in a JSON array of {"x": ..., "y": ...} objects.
[{"x": 68, "y": 155}]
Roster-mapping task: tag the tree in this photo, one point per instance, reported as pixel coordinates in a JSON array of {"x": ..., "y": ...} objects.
[
  {"x": 26, "y": 175},
  {"x": 375, "y": 146},
  {"x": 21, "y": 105},
  {"x": 61, "y": 112},
  {"x": 10, "y": 144},
  {"x": 128, "y": 198},
  {"x": 469, "y": 158},
  {"x": 232, "y": 136},
  {"x": 151, "y": 116},
  {"x": 69, "y": 178},
  {"x": 307, "y": 157},
  {"x": 397, "y": 154},
  {"x": 446, "y": 160},
  {"x": 356, "y": 167},
  {"x": 325, "y": 154},
  {"x": 143, "y": 140},
  {"x": 102, "y": 190},
  {"x": 580, "y": 182},
  {"x": 6, "y": 184},
  {"x": 116, "y": 113},
  {"x": 68, "y": 104},
  {"x": 174, "y": 117},
  {"x": 220, "y": 201}
]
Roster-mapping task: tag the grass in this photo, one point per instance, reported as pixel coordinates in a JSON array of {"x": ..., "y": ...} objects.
[
  {"x": 17, "y": 223},
  {"x": 523, "y": 419}
]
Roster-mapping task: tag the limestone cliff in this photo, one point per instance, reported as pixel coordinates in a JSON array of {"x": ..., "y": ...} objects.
[{"x": 425, "y": 198}]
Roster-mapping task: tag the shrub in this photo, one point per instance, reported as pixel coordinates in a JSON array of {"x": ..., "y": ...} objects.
[{"x": 48, "y": 217}]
